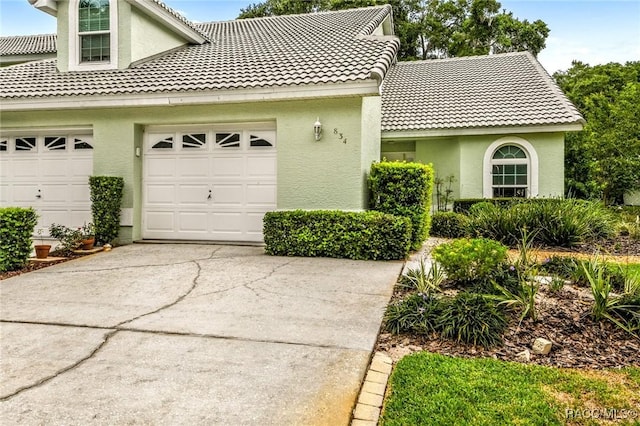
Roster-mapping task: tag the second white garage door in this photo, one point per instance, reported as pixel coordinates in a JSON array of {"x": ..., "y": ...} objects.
[{"x": 208, "y": 183}]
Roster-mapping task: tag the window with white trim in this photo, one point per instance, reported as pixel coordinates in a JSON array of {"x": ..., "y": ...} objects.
[
  {"x": 510, "y": 172},
  {"x": 94, "y": 30}
]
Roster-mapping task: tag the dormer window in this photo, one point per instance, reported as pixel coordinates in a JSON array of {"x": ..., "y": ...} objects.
[
  {"x": 93, "y": 38},
  {"x": 93, "y": 30}
]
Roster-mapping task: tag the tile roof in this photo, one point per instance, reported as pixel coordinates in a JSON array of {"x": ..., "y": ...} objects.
[
  {"x": 28, "y": 45},
  {"x": 509, "y": 89},
  {"x": 291, "y": 50}
]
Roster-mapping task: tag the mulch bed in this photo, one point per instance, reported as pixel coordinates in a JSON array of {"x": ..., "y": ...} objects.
[
  {"x": 34, "y": 266},
  {"x": 564, "y": 318}
]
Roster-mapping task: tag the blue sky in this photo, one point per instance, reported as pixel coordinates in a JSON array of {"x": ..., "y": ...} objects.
[{"x": 592, "y": 31}]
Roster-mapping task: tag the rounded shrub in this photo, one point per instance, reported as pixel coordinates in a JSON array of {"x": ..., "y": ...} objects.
[
  {"x": 449, "y": 225},
  {"x": 472, "y": 318},
  {"x": 468, "y": 259}
]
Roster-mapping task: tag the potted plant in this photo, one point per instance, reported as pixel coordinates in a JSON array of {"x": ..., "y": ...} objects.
[
  {"x": 70, "y": 239},
  {"x": 88, "y": 232},
  {"x": 42, "y": 249}
]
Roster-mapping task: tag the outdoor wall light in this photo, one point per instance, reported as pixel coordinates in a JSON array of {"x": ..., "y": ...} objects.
[{"x": 317, "y": 129}]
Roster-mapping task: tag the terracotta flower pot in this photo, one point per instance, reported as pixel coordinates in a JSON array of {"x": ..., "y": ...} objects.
[
  {"x": 42, "y": 251},
  {"x": 87, "y": 243}
]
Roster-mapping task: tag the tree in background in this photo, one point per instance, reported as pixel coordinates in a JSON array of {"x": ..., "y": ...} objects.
[
  {"x": 434, "y": 28},
  {"x": 603, "y": 161}
]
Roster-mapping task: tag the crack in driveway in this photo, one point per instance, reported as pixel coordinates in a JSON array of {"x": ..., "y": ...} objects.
[
  {"x": 64, "y": 370},
  {"x": 110, "y": 334}
]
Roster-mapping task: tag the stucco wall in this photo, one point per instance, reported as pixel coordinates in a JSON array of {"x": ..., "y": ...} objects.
[
  {"x": 370, "y": 130},
  {"x": 325, "y": 174},
  {"x": 147, "y": 38},
  {"x": 463, "y": 157}
]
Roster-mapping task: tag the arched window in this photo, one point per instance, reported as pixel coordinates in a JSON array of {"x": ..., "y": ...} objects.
[
  {"x": 510, "y": 169},
  {"x": 510, "y": 172},
  {"x": 94, "y": 30}
]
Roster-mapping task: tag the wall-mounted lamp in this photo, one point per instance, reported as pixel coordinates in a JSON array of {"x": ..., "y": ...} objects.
[{"x": 317, "y": 129}]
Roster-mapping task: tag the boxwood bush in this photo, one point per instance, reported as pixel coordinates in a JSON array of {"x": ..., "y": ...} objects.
[
  {"x": 106, "y": 197},
  {"x": 404, "y": 189},
  {"x": 367, "y": 235},
  {"x": 449, "y": 225},
  {"x": 16, "y": 228}
]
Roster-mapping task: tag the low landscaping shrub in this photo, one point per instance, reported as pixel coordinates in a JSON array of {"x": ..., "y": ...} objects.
[
  {"x": 424, "y": 278},
  {"x": 474, "y": 319},
  {"x": 464, "y": 205},
  {"x": 552, "y": 222},
  {"x": 403, "y": 189},
  {"x": 16, "y": 229},
  {"x": 367, "y": 235},
  {"x": 416, "y": 313},
  {"x": 449, "y": 225},
  {"x": 106, "y": 198},
  {"x": 467, "y": 259}
]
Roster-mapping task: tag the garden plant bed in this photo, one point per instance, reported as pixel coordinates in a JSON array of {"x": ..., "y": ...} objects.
[
  {"x": 564, "y": 318},
  {"x": 34, "y": 266}
]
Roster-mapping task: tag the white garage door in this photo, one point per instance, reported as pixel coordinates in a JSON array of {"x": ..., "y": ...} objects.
[
  {"x": 49, "y": 172},
  {"x": 213, "y": 183}
]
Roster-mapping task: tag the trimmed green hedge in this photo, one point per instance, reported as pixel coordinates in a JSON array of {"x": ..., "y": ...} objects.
[
  {"x": 106, "y": 197},
  {"x": 16, "y": 228},
  {"x": 404, "y": 189},
  {"x": 353, "y": 235}
]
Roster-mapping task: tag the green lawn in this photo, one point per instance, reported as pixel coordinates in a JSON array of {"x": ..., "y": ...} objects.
[{"x": 431, "y": 389}]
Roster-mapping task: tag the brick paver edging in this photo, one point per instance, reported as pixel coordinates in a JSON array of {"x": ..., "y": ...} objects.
[{"x": 367, "y": 411}]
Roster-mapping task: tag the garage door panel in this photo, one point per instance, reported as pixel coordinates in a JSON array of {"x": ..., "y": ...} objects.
[
  {"x": 228, "y": 222},
  {"x": 26, "y": 168},
  {"x": 160, "y": 221},
  {"x": 80, "y": 216},
  {"x": 260, "y": 166},
  {"x": 80, "y": 192},
  {"x": 55, "y": 167},
  {"x": 254, "y": 223},
  {"x": 24, "y": 193},
  {"x": 193, "y": 222},
  {"x": 81, "y": 167},
  {"x": 5, "y": 168},
  {"x": 261, "y": 195},
  {"x": 193, "y": 194},
  {"x": 192, "y": 167},
  {"x": 53, "y": 215},
  {"x": 228, "y": 195},
  {"x": 55, "y": 193},
  {"x": 227, "y": 166},
  {"x": 4, "y": 194},
  {"x": 161, "y": 167},
  {"x": 161, "y": 194}
]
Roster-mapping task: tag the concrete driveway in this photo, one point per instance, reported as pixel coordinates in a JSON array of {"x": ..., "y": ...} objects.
[{"x": 189, "y": 334}]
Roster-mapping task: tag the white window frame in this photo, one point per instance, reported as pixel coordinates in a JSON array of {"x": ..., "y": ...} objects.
[
  {"x": 75, "y": 54},
  {"x": 532, "y": 165}
]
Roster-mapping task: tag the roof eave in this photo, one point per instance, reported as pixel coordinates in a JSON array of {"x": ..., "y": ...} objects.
[
  {"x": 47, "y": 6},
  {"x": 272, "y": 93},
  {"x": 164, "y": 17},
  {"x": 476, "y": 131}
]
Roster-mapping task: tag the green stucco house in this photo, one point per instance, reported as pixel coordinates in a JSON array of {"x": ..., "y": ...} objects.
[{"x": 213, "y": 124}]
